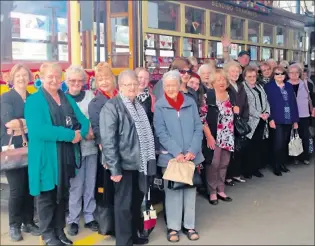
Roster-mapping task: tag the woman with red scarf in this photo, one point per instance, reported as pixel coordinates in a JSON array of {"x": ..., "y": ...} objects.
[{"x": 179, "y": 132}]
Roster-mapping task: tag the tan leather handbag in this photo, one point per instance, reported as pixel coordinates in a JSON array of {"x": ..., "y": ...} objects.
[
  {"x": 181, "y": 172},
  {"x": 15, "y": 158}
]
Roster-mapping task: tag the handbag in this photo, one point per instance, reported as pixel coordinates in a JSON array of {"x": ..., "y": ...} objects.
[
  {"x": 15, "y": 158},
  {"x": 182, "y": 172},
  {"x": 149, "y": 216},
  {"x": 241, "y": 126},
  {"x": 295, "y": 144},
  {"x": 197, "y": 182}
]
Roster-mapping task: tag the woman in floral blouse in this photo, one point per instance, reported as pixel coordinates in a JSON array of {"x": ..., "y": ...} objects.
[{"x": 219, "y": 135}]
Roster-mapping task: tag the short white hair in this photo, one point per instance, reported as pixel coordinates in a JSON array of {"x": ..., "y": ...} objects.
[
  {"x": 172, "y": 75},
  {"x": 126, "y": 74},
  {"x": 297, "y": 66},
  {"x": 75, "y": 69},
  {"x": 202, "y": 67}
]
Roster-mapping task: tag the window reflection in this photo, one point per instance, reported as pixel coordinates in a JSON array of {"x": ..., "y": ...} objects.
[
  {"x": 35, "y": 30},
  {"x": 163, "y": 15},
  {"x": 237, "y": 28},
  {"x": 253, "y": 53},
  {"x": 120, "y": 42},
  {"x": 118, "y": 6},
  {"x": 281, "y": 36},
  {"x": 215, "y": 50},
  {"x": 193, "y": 47},
  {"x": 266, "y": 53},
  {"x": 268, "y": 34},
  {"x": 194, "y": 20},
  {"x": 253, "y": 31},
  {"x": 217, "y": 24},
  {"x": 235, "y": 49}
]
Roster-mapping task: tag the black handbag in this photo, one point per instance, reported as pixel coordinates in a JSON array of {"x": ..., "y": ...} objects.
[
  {"x": 197, "y": 182},
  {"x": 241, "y": 126}
]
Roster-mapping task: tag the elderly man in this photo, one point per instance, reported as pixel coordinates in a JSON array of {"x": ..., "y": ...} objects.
[{"x": 129, "y": 153}]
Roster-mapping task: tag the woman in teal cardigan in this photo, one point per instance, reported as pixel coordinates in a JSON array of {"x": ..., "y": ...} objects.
[{"x": 55, "y": 125}]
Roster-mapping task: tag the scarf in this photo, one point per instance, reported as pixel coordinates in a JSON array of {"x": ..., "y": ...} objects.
[
  {"x": 143, "y": 95},
  {"x": 78, "y": 98},
  {"x": 176, "y": 104},
  {"x": 105, "y": 94},
  {"x": 144, "y": 131},
  {"x": 63, "y": 115}
]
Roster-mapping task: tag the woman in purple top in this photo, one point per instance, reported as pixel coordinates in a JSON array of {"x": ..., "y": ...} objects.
[
  {"x": 304, "y": 96},
  {"x": 283, "y": 115}
]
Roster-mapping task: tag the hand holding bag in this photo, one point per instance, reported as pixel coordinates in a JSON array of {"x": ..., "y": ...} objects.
[
  {"x": 295, "y": 144},
  {"x": 181, "y": 172},
  {"x": 15, "y": 158},
  {"x": 241, "y": 126},
  {"x": 197, "y": 182}
]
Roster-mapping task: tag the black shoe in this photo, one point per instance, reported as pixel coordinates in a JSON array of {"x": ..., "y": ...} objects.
[
  {"x": 66, "y": 241},
  {"x": 15, "y": 234},
  {"x": 277, "y": 173},
  {"x": 140, "y": 240},
  {"x": 248, "y": 176},
  {"x": 31, "y": 228},
  {"x": 53, "y": 241},
  {"x": 284, "y": 169},
  {"x": 213, "y": 202},
  {"x": 225, "y": 199},
  {"x": 258, "y": 174},
  {"x": 93, "y": 225},
  {"x": 73, "y": 229},
  {"x": 229, "y": 183}
]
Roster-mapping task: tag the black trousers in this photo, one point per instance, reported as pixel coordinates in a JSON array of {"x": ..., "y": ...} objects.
[
  {"x": 280, "y": 139},
  {"x": 51, "y": 215},
  {"x": 21, "y": 203},
  {"x": 254, "y": 150},
  {"x": 234, "y": 168},
  {"x": 127, "y": 207},
  {"x": 305, "y": 135}
]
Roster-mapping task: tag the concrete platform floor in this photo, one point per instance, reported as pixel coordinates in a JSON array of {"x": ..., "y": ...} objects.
[{"x": 268, "y": 211}]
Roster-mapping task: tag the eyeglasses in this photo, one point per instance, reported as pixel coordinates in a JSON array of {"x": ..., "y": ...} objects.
[
  {"x": 75, "y": 81},
  {"x": 131, "y": 85},
  {"x": 183, "y": 71},
  {"x": 279, "y": 73}
]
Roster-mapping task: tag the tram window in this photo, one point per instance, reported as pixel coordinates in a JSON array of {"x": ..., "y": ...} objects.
[
  {"x": 118, "y": 6},
  {"x": 194, "y": 20},
  {"x": 163, "y": 15},
  {"x": 253, "y": 31},
  {"x": 266, "y": 54},
  {"x": 279, "y": 55},
  {"x": 235, "y": 49},
  {"x": 37, "y": 26},
  {"x": 215, "y": 50},
  {"x": 193, "y": 47},
  {"x": 237, "y": 28},
  {"x": 282, "y": 36},
  {"x": 217, "y": 24},
  {"x": 253, "y": 53},
  {"x": 268, "y": 34}
]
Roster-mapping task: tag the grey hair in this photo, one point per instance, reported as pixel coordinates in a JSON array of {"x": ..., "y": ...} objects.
[
  {"x": 75, "y": 69},
  {"x": 172, "y": 75},
  {"x": 126, "y": 74},
  {"x": 297, "y": 66},
  {"x": 203, "y": 66},
  {"x": 284, "y": 64}
]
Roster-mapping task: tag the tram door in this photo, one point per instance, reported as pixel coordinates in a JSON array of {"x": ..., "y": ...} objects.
[{"x": 120, "y": 35}]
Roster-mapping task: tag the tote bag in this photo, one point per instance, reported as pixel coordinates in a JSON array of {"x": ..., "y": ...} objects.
[{"x": 295, "y": 144}]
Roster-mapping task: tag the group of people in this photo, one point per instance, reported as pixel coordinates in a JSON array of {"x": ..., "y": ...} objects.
[{"x": 132, "y": 130}]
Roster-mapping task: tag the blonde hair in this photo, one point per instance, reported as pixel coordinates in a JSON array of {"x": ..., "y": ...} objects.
[
  {"x": 104, "y": 68},
  {"x": 16, "y": 68},
  {"x": 220, "y": 72},
  {"x": 47, "y": 66},
  {"x": 140, "y": 69},
  {"x": 192, "y": 60},
  {"x": 230, "y": 64}
]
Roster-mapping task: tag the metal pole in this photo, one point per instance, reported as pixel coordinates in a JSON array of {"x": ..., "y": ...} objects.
[{"x": 298, "y": 6}]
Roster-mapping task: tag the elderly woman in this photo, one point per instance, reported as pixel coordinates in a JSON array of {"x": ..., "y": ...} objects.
[
  {"x": 21, "y": 203},
  {"x": 266, "y": 73},
  {"x": 54, "y": 127},
  {"x": 194, "y": 63},
  {"x": 305, "y": 98},
  {"x": 283, "y": 115},
  {"x": 179, "y": 132},
  {"x": 128, "y": 148},
  {"x": 204, "y": 72},
  {"x": 144, "y": 96},
  {"x": 83, "y": 184},
  {"x": 259, "y": 111},
  {"x": 220, "y": 138},
  {"x": 233, "y": 70}
]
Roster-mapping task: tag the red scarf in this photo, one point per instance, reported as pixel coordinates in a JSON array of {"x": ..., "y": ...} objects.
[
  {"x": 176, "y": 104},
  {"x": 105, "y": 94}
]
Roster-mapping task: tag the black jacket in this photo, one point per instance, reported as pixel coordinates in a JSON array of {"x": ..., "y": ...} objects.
[
  {"x": 119, "y": 139},
  {"x": 95, "y": 107},
  {"x": 241, "y": 100},
  {"x": 147, "y": 104},
  {"x": 212, "y": 121}
]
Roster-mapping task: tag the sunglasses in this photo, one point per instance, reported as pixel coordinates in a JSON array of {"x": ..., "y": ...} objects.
[
  {"x": 279, "y": 73},
  {"x": 183, "y": 71}
]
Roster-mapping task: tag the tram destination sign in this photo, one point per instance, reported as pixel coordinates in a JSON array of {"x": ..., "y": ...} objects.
[{"x": 261, "y": 6}]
